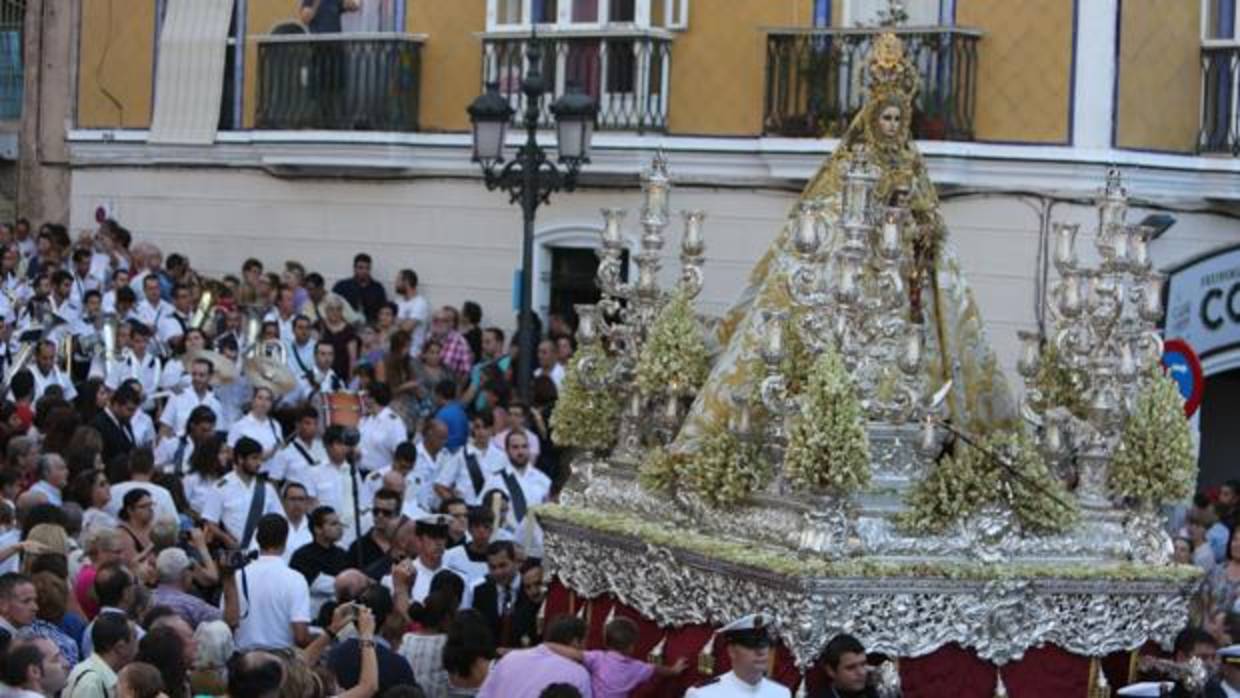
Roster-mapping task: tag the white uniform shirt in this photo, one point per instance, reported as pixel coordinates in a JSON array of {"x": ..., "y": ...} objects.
[
  {"x": 172, "y": 455},
  {"x": 54, "y": 378},
  {"x": 422, "y": 580},
  {"x": 146, "y": 369},
  {"x": 272, "y": 597},
  {"x": 418, "y": 309},
  {"x": 414, "y": 483},
  {"x": 176, "y": 413},
  {"x": 175, "y": 377},
  {"x": 465, "y": 563},
  {"x": 534, "y": 484},
  {"x": 172, "y": 324},
  {"x": 150, "y": 315},
  {"x": 381, "y": 434},
  {"x": 427, "y": 471},
  {"x": 266, "y": 432},
  {"x": 198, "y": 491},
  {"x": 81, "y": 286},
  {"x": 285, "y": 324},
  {"x": 231, "y": 506},
  {"x": 728, "y": 686},
  {"x": 329, "y": 484},
  {"x": 490, "y": 463},
  {"x": 143, "y": 429},
  {"x": 289, "y": 462}
]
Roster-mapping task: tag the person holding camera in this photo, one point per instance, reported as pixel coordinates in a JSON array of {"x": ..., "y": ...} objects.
[
  {"x": 267, "y": 602},
  {"x": 241, "y": 498}
]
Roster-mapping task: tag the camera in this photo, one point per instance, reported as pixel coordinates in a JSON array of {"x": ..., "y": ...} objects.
[{"x": 233, "y": 559}]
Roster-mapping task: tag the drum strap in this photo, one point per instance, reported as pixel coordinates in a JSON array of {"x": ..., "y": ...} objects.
[
  {"x": 302, "y": 364},
  {"x": 517, "y": 494},
  {"x": 304, "y": 453},
  {"x": 475, "y": 472},
  {"x": 257, "y": 501}
]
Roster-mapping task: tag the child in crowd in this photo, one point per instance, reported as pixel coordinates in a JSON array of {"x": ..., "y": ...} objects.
[{"x": 614, "y": 672}]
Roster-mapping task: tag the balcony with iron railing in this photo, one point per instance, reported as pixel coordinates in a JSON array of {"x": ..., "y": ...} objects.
[
  {"x": 339, "y": 81},
  {"x": 626, "y": 72},
  {"x": 815, "y": 80},
  {"x": 1220, "y": 97}
]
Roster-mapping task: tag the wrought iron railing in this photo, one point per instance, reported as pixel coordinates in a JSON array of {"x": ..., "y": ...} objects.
[
  {"x": 1220, "y": 97},
  {"x": 341, "y": 82},
  {"x": 815, "y": 80},
  {"x": 12, "y": 17},
  {"x": 626, "y": 71}
]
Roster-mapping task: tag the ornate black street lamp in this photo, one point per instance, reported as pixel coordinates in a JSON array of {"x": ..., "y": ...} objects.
[{"x": 530, "y": 178}]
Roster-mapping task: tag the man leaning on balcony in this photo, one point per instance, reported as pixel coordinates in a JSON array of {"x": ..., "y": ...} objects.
[{"x": 323, "y": 16}]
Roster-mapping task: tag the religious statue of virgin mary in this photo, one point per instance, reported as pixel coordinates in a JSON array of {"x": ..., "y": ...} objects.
[{"x": 939, "y": 299}]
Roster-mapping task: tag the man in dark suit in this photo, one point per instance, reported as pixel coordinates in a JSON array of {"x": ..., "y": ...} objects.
[
  {"x": 113, "y": 423},
  {"x": 495, "y": 595}
]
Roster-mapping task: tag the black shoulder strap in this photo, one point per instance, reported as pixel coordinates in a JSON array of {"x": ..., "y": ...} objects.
[
  {"x": 475, "y": 472},
  {"x": 304, "y": 453},
  {"x": 257, "y": 501},
  {"x": 516, "y": 494},
  {"x": 302, "y": 364}
]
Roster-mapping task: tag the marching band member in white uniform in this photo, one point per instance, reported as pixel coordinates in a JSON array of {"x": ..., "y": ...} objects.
[
  {"x": 382, "y": 431},
  {"x": 258, "y": 425},
  {"x": 306, "y": 450}
]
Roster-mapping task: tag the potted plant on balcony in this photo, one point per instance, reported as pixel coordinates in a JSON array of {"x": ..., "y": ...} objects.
[{"x": 931, "y": 120}]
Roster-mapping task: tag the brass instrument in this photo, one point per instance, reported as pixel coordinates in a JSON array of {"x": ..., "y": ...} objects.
[
  {"x": 108, "y": 331},
  {"x": 65, "y": 348},
  {"x": 253, "y": 327},
  {"x": 206, "y": 303},
  {"x": 267, "y": 367},
  {"x": 224, "y": 369}
]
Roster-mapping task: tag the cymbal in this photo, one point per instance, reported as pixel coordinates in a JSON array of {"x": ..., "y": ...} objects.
[
  {"x": 264, "y": 372},
  {"x": 225, "y": 369}
]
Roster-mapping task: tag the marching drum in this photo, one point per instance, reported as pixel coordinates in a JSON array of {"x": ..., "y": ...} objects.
[{"x": 341, "y": 408}]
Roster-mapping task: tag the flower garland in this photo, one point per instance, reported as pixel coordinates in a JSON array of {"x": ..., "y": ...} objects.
[
  {"x": 753, "y": 555},
  {"x": 674, "y": 359},
  {"x": 1154, "y": 463},
  {"x": 585, "y": 418},
  {"x": 828, "y": 447},
  {"x": 960, "y": 486}
]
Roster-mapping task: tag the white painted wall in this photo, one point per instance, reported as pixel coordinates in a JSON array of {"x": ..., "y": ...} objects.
[{"x": 464, "y": 242}]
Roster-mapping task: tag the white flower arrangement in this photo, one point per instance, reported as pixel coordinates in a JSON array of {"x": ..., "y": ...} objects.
[
  {"x": 674, "y": 359},
  {"x": 585, "y": 418},
  {"x": 828, "y": 448},
  {"x": 1154, "y": 463},
  {"x": 962, "y": 485}
]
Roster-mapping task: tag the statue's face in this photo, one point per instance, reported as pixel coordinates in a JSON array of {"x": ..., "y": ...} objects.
[{"x": 889, "y": 121}]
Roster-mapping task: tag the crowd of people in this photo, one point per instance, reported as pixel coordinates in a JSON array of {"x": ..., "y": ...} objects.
[{"x": 259, "y": 485}]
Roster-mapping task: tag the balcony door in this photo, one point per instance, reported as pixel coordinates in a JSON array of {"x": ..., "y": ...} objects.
[
  {"x": 375, "y": 16},
  {"x": 921, "y": 13}
]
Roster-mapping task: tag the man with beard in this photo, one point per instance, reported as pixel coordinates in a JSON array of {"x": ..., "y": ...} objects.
[
  {"x": 526, "y": 487},
  {"x": 241, "y": 497}
]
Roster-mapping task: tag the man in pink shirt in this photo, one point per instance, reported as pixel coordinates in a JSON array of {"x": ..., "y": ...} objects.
[{"x": 525, "y": 673}]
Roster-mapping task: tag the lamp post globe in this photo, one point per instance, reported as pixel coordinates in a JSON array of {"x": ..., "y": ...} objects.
[
  {"x": 574, "y": 122},
  {"x": 490, "y": 115}
]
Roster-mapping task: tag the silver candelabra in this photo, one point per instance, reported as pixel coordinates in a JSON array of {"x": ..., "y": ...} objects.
[
  {"x": 1105, "y": 336},
  {"x": 626, "y": 312}
]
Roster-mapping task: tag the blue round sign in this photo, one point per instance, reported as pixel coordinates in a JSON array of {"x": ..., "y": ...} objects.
[{"x": 1182, "y": 364}]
